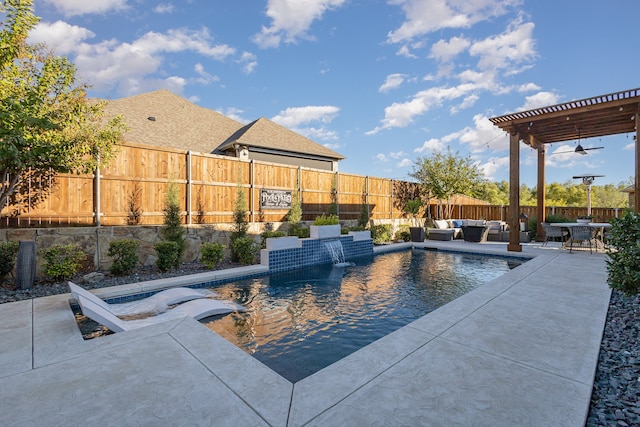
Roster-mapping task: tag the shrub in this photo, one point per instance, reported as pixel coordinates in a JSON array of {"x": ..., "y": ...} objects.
[
  {"x": 212, "y": 254},
  {"x": 61, "y": 262},
  {"x": 326, "y": 220},
  {"x": 270, "y": 234},
  {"x": 123, "y": 252},
  {"x": 169, "y": 255},
  {"x": 8, "y": 254},
  {"x": 403, "y": 233},
  {"x": 381, "y": 233},
  {"x": 134, "y": 205},
  {"x": 295, "y": 213},
  {"x": 301, "y": 232},
  {"x": 173, "y": 230},
  {"x": 245, "y": 249},
  {"x": 623, "y": 264}
]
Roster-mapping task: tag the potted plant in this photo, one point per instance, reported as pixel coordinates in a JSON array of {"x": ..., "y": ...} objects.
[
  {"x": 325, "y": 226},
  {"x": 584, "y": 219},
  {"x": 412, "y": 207}
]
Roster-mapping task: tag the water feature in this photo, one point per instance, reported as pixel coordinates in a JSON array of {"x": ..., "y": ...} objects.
[{"x": 334, "y": 247}]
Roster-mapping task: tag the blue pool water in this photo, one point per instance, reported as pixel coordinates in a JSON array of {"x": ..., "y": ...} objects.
[{"x": 300, "y": 322}]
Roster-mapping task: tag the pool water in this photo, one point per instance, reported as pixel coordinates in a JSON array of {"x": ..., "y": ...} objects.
[{"x": 300, "y": 322}]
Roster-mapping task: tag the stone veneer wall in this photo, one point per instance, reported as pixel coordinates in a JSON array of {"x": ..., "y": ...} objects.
[{"x": 94, "y": 241}]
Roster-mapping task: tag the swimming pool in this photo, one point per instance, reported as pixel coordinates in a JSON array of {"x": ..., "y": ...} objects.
[{"x": 302, "y": 321}]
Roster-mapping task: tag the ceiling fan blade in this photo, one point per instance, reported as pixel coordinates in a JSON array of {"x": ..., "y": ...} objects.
[{"x": 594, "y": 148}]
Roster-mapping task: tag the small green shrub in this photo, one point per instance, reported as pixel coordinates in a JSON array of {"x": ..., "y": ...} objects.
[
  {"x": 623, "y": 264},
  {"x": 381, "y": 233},
  {"x": 301, "y": 232},
  {"x": 245, "y": 249},
  {"x": 8, "y": 254},
  {"x": 403, "y": 233},
  {"x": 169, "y": 254},
  {"x": 326, "y": 220},
  {"x": 270, "y": 234},
  {"x": 125, "y": 258},
  {"x": 61, "y": 262},
  {"x": 212, "y": 254},
  {"x": 557, "y": 218}
]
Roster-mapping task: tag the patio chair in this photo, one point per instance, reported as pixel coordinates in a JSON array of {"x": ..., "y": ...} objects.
[
  {"x": 552, "y": 232},
  {"x": 156, "y": 303},
  {"x": 197, "y": 309},
  {"x": 581, "y": 234}
]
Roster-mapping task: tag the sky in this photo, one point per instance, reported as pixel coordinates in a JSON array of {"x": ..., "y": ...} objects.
[{"x": 382, "y": 82}]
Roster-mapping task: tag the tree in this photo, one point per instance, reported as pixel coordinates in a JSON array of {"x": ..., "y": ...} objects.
[
  {"x": 446, "y": 175},
  {"x": 47, "y": 124}
]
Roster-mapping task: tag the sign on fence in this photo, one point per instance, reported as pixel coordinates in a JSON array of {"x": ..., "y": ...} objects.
[{"x": 275, "y": 199}]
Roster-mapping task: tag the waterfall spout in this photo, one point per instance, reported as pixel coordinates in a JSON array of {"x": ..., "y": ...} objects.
[{"x": 334, "y": 247}]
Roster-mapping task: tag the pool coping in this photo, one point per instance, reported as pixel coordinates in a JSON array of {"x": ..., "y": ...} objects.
[{"x": 42, "y": 339}]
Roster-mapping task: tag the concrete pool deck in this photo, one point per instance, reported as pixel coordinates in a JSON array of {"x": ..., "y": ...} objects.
[{"x": 520, "y": 350}]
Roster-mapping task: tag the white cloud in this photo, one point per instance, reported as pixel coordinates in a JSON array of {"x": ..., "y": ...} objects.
[
  {"x": 630, "y": 146},
  {"x": 431, "y": 145},
  {"x": 540, "y": 99},
  {"x": 426, "y": 16},
  {"x": 249, "y": 62},
  {"x": 291, "y": 20},
  {"x": 444, "y": 51},
  {"x": 402, "y": 114},
  {"x": 404, "y": 163},
  {"x": 60, "y": 36},
  {"x": 296, "y": 116},
  {"x": 318, "y": 134},
  {"x": 164, "y": 8},
  {"x": 135, "y": 66},
  {"x": 381, "y": 157},
  {"x": 85, "y": 7},
  {"x": 503, "y": 51},
  {"x": 493, "y": 165},
  {"x": 467, "y": 102},
  {"x": 205, "y": 77},
  {"x": 393, "y": 81}
]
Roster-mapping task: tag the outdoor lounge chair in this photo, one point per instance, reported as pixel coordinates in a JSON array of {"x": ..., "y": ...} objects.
[
  {"x": 198, "y": 309},
  {"x": 156, "y": 303},
  {"x": 552, "y": 232}
]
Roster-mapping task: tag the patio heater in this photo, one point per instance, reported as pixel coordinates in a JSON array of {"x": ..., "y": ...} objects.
[{"x": 587, "y": 180}]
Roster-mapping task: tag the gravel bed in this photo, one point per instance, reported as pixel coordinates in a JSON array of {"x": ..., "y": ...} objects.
[{"x": 615, "y": 400}]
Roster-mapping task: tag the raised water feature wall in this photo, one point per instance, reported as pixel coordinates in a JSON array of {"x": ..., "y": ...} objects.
[{"x": 289, "y": 253}]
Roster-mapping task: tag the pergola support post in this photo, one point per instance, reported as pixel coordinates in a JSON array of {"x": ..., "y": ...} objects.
[
  {"x": 636, "y": 195},
  {"x": 514, "y": 193},
  {"x": 542, "y": 213}
]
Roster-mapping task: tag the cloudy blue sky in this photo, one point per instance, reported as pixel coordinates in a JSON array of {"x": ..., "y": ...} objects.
[{"x": 380, "y": 81}]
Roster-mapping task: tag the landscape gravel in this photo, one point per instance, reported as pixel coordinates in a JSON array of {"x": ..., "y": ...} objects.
[{"x": 615, "y": 399}]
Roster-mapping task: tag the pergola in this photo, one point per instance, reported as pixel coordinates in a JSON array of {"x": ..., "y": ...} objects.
[{"x": 598, "y": 116}]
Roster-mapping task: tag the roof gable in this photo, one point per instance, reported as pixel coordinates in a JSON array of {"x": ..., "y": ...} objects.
[{"x": 264, "y": 133}]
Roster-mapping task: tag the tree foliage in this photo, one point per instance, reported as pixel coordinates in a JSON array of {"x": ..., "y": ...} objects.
[
  {"x": 570, "y": 193},
  {"x": 447, "y": 175},
  {"x": 47, "y": 124}
]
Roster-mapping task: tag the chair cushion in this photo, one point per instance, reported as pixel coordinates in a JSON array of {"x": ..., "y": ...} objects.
[
  {"x": 458, "y": 223},
  {"x": 441, "y": 223}
]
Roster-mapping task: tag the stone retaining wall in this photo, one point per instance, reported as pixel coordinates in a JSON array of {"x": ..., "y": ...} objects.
[{"x": 94, "y": 241}]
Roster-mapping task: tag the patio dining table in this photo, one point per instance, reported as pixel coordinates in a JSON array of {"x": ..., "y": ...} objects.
[{"x": 598, "y": 238}]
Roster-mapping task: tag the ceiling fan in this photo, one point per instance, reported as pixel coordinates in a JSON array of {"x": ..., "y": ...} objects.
[{"x": 579, "y": 148}]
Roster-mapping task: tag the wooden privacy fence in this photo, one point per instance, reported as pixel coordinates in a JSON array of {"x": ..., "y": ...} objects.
[{"x": 138, "y": 179}]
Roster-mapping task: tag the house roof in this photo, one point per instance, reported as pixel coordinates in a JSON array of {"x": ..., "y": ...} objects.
[
  {"x": 263, "y": 133},
  {"x": 162, "y": 118}
]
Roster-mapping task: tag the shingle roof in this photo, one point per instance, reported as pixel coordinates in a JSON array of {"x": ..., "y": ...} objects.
[
  {"x": 264, "y": 133},
  {"x": 177, "y": 122}
]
